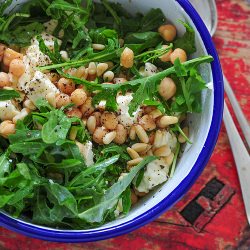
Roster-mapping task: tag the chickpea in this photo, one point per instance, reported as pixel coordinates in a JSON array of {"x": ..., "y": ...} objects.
[
  {"x": 167, "y": 88},
  {"x": 121, "y": 134},
  {"x": 87, "y": 108},
  {"x": 178, "y": 53},
  {"x": 62, "y": 100},
  {"x": 74, "y": 112},
  {"x": 97, "y": 116},
  {"x": 168, "y": 32},
  {"x": 98, "y": 135},
  {"x": 7, "y": 128},
  {"x": 166, "y": 56},
  {"x": 4, "y": 80},
  {"x": 9, "y": 55},
  {"x": 133, "y": 197},
  {"x": 109, "y": 120},
  {"x": 53, "y": 77},
  {"x": 66, "y": 86},
  {"x": 17, "y": 67},
  {"x": 127, "y": 58},
  {"x": 147, "y": 122},
  {"x": 78, "y": 97},
  {"x": 2, "y": 49}
]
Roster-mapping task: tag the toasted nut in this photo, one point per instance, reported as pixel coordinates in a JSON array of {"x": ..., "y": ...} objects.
[
  {"x": 132, "y": 133},
  {"x": 108, "y": 76},
  {"x": 132, "y": 153},
  {"x": 140, "y": 147},
  {"x": 97, "y": 46},
  {"x": 4, "y": 80},
  {"x": 87, "y": 108},
  {"x": 74, "y": 112},
  {"x": 53, "y": 77},
  {"x": 3, "y": 47},
  {"x": 91, "y": 124},
  {"x": 141, "y": 133},
  {"x": 121, "y": 134},
  {"x": 167, "y": 88},
  {"x": 97, "y": 116},
  {"x": 134, "y": 162},
  {"x": 168, "y": 32},
  {"x": 29, "y": 104},
  {"x": 158, "y": 139},
  {"x": 109, "y": 120},
  {"x": 99, "y": 134},
  {"x": 162, "y": 151},
  {"x": 109, "y": 137},
  {"x": 92, "y": 68},
  {"x": 51, "y": 98},
  {"x": 167, "y": 120},
  {"x": 133, "y": 197},
  {"x": 147, "y": 122},
  {"x": 148, "y": 109},
  {"x": 119, "y": 80},
  {"x": 71, "y": 71},
  {"x": 181, "y": 138},
  {"x": 155, "y": 113},
  {"x": 169, "y": 159},
  {"x": 7, "y": 128},
  {"x": 80, "y": 72},
  {"x": 101, "y": 68},
  {"x": 127, "y": 58},
  {"x": 9, "y": 55},
  {"x": 78, "y": 97},
  {"x": 166, "y": 56},
  {"x": 61, "y": 100},
  {"x": 178, "y": 53},
  {"x": 140, "y": 194},
  {"x": 17, "y": 67},
  {"x": 150, "y": 153},
  {"x": 151, "y": 138},
  {"x": 66, "y": 86}
]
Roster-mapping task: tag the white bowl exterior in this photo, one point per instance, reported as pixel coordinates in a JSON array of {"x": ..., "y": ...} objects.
[{"x": 199, "y": 123}]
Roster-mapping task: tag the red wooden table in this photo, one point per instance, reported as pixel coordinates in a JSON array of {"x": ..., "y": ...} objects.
[{"x": 211, "y": 215}]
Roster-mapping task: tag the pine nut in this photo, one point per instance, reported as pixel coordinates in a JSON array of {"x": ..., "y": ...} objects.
[
  {"x": 29, "y": 104},
  {"x": 108, "y": 76},
  {"x": 97, "y": 46},
  {"x": 127, "y": 58},
  {"x": 132, "y": 153},
  {"x": 167, "y": 120},
  {"x": 141, "y": 133},
  {"x": 109, "y": 137},
  {"x": 101, "y": 68},
  {"x": 147, "y": 122},
  {"x": 150, "y": 153},
  {"x": 140, "y": 147},
  {"x": 181, "y": 138},
  {"x": 155, "y": 113},
  {"x": 64, "y": 55},
  {"x": 134, "y": 162},
  {"x": 80, "y": 72},
  {"x": 92, "y": 68},
  {"x": 162, "y": 151},
  {"x": 91, "y": 124},
  {"x": 158, "y": 139},
  {"x": 73, "y": 133},
  {"x": 132, "y": 133},
  {"x": 169, "y": 159}
]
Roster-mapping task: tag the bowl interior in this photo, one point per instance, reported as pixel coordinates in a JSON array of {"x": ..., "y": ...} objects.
[{"x": 199, "y": 123}]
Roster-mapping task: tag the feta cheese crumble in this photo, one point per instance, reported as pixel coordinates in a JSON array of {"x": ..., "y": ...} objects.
[{"x": 87, "y": 152}]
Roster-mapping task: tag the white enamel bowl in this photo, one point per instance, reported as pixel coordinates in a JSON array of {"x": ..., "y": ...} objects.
[{"x": 204, "y": 132}]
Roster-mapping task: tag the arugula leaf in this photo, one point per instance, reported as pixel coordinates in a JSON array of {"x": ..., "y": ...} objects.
[
  {"x": 6, "y": 94},
  {"x": 5, "y": 164},
  {"x": 111, "y": 196},
  {"x": 126, "y": 200},
  {"x": 56, "y": 128},
  {"x": 187, "y": 41}
]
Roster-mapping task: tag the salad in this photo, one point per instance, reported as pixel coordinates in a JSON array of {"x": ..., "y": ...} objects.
[{"x": 93, "y": 107}]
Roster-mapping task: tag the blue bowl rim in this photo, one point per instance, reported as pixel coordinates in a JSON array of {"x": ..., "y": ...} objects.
[{"x": 175, "y": 195}]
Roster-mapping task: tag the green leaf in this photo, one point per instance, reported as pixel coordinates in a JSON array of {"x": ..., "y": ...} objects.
[
  {"x": 139, "y": 177},
  {"x": 187, "y": 41},
  {"x": 5, "y": 164},
  {"x": 93, "y": 169},
  {"x": 56, "y": 128},
  {"x": 8, "y": 94},
  {"x": 111, "y": 196},
  {"x": 28, "y": 148},
  {"x": 126, "y": 200}
]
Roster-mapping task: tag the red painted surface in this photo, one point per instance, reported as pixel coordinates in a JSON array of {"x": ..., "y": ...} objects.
[{"x": 228, "y": 228}]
